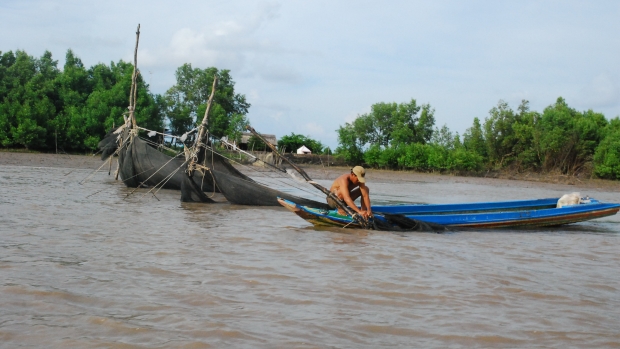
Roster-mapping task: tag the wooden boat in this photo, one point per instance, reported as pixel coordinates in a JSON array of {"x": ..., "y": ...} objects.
[{"x": 504, "y": 214}]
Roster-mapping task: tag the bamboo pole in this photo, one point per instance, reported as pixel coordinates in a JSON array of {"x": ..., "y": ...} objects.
[
  {"x": 202, "y": 131},
  {"x": 303, "y": 173},
  {"x": 205, "y": 120},
  {"x": 134, "y": 87}
]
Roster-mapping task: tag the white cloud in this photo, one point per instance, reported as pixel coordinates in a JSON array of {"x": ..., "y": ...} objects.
[
  {"x": 314, "y": 129},
  {"x": 278, "y": 115},
  {"x": 351, "y": 116},
  {"x": 280, "y": 74},
  {"x": 201, "y": 49},
  {"x": 253, "y": 96},
  {"x": 327, "y": 62},
  {"x": 234, "y": 44}
]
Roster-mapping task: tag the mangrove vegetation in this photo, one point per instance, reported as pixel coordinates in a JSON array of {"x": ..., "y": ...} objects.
[
  {"x": 45, "y": 108},
  {"x": 48, "y": 109},
  {"x": 558, "y": 139}
]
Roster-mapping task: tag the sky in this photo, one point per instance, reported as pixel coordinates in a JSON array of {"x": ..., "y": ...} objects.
[{"x": 308, "y": 67}]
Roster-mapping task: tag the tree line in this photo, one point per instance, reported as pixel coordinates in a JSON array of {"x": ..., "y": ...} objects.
[
  {"x": 45, "y": 108},
  {"x": 558, "y": 139}
]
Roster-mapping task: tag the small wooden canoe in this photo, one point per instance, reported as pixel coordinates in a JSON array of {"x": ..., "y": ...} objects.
[{"x": 504, "y": 214}]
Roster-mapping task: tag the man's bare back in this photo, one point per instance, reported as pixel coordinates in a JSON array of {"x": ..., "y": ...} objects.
[{"x": 348, "y": 188}]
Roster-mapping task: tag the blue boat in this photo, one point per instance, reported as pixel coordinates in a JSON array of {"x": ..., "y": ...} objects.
[{"x": 503, "y": 214}]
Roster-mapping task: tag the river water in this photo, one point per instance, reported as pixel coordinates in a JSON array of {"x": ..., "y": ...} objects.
[{"x": 83, "y": 267}]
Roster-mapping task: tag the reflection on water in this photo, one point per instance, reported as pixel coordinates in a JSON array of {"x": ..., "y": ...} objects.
[{"x": 83, "y": 270}]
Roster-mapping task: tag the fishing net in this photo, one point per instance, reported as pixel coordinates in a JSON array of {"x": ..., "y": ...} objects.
[
  {"x": 191, "y": 192},
  {"x": 401, "y": 223},
  {"x": 142, "y": 165},
  {"x": 108, "y": 144},
  {"x": 247, "y": 192}
]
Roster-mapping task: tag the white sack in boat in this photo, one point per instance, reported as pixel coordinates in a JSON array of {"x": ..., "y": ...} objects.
[{"x": 569, "y": 199}]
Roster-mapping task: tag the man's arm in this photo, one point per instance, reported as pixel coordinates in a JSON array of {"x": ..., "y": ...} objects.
[
  {"x": 365, "y": 198},
  {"x": 346, "y": 197}
]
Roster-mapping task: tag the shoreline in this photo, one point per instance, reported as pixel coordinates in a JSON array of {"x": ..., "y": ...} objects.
[{"x": 571, "y": 183}]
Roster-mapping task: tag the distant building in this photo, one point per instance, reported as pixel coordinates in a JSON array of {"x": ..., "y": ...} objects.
[
  {"x": 304, "y": 150},
  {"x": 245, "y": 138}
]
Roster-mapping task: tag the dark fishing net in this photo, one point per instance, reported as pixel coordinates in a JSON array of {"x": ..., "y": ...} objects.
[
  {"x": 399, "y": 222},
  {"x": 108, "y": 144},
  {"x": 153, "y": 168},
  {"x": 247, "y": 192},
  {"x": 140, "y": 163},
  {"x": 191, "y": 192},
  {"x": 126, "y": 169},
  {"x": 217, "y": 162}
]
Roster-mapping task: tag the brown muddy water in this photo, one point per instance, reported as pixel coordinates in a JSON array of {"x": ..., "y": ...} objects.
[{"x": 80, "y": 267}]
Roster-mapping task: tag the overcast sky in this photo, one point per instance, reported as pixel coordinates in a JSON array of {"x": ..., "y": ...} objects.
[{"x": 310, "y": 66}]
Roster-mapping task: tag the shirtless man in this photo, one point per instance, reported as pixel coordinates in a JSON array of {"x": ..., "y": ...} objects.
[{"x": 349, "y": 187}]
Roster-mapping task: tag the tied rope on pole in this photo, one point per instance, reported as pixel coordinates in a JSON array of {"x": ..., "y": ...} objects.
[{"x": 202, "y": 131}]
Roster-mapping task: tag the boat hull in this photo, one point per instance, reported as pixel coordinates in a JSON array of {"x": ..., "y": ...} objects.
[{"x": 493, "y": 218}]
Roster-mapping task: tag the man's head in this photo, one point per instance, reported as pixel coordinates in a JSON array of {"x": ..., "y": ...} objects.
[{"x": 360, "y": 173}]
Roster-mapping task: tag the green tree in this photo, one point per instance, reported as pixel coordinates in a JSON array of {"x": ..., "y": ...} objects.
[
  {"x": 236, "y": 126},
  {"x": 26, "y": 105},
  {"x": 424, "y": 126},
  {"x": 443, "y": 137},
  {"x": 109, "y": 99},
  {"x": 74, "y": 87},
  {"x": 568, "y": 138},
  {"x": 590, "y": 128},
  {"x": 607, "y": 154},
  {"x": 185, "y": 102},
  {"x": 499, "y": 135},
  {"x": 461, "y": 159},
  {"x": 386, "y": 129},
  {"x": 7, "y": 59},
  {"x": 294, "y": 141},
  {"x": 350, "y": 146},
  {"x": 473, "y": 139},
  {"x": 415, "y": 157},
  {"x": 392, "y": 124},
  {"x": 526, "y": 146}
]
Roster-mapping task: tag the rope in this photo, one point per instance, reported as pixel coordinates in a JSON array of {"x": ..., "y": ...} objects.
[
  {"x": 167, "y": 178},
  {"x": 92, "y": 174},
  {"x": 159, "y": 145},
  {"x": 167, "y": 134},
  {"x": 203, "y": 177},
  {"x": 348, "y": 224},
  {"x": 154, "y": 173},
  {"x": 235, "y": 148}
]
